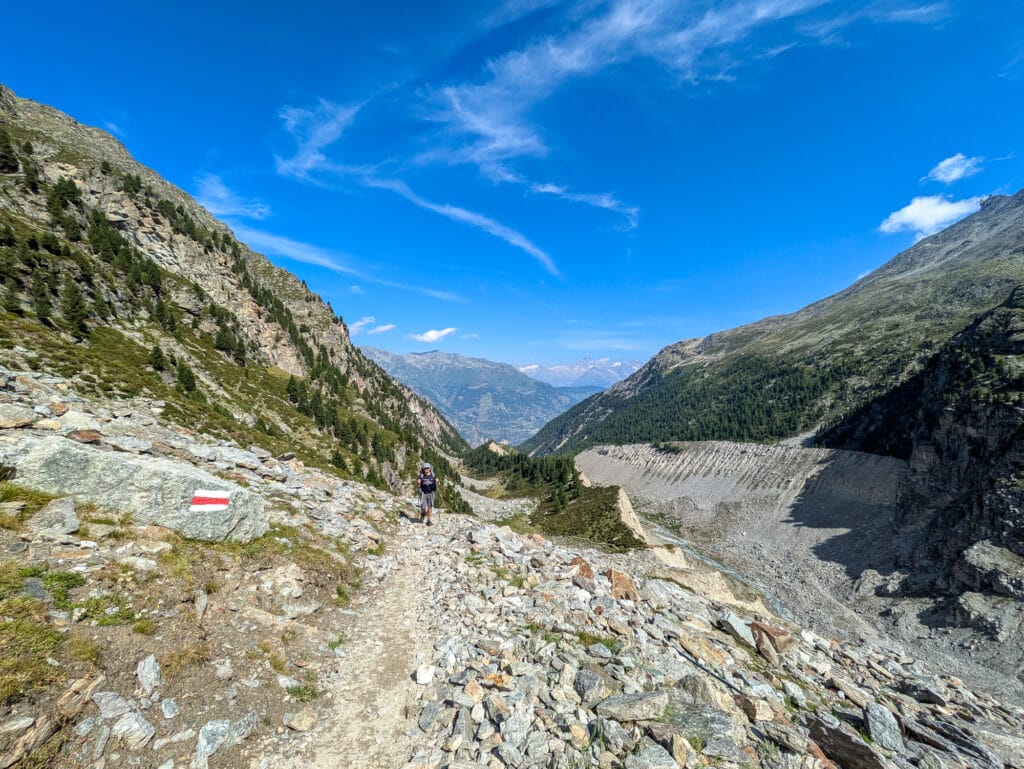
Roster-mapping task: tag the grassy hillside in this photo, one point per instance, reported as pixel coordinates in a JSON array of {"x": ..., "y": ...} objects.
[
  {"x": 110, "y": 275},
  {"x": 790, "y": 374}
]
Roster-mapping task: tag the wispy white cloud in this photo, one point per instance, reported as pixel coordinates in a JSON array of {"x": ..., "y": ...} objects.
[
  {"x": 433, "y": 335},
  {"x": 356, "y": 290},
  {"x": 455, "y": 213},
  {"x": 114, "y": 128},
  {"x": 955, "y": 168},
  {"x": 219, "y": 200},
  {"x": 606, "y": 201},
  {"x": 491, "y": 115},
  {"x": 359, "y": 325},
  {"x": 927, "y": 215},
  {"x": 382, "y": 329},
  {"x": 314, "y": 130},
  {"x": 309, "y": 254},
  {"x": 879, "y": 12},
  {"x": 470, "y": 336}
]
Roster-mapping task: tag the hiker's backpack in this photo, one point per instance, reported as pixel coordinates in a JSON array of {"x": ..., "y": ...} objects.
[{"x": 428, "y": 484}]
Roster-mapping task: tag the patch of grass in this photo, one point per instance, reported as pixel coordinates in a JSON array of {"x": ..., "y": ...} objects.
[
  {"x": 145, "y": 626},
  {"x": 697, "y": 743},
  {"x": 109, "y": 609},
  {"x": 339, "y": 641},
  {"x": 33, "y": 502},
  {"x": 592, "y": 515},
  {"x": 546, "y": 635},
  {"x": 378, "y": 550},
  {"x": 474, "y": 559},
  {"x": 27, "y": 641},
  {"x": 81, "y": 648},
  {"x": 288, "y": 635},
  {"x": 306, "y": 691},
  {"x": 278, "y": 664},
  {"x": 614, "y": 645},
  {"x": 60, "y": 584},
  {"x": 179, "y": 660}
]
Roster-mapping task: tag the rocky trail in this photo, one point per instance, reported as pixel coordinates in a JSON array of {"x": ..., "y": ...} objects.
[{"x": 318, "y": 626}]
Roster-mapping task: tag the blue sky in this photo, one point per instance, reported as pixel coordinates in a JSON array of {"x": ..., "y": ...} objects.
[{"x": 534, "y": 181}]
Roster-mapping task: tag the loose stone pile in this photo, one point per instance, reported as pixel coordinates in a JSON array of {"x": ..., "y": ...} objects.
[{"x": 549, "y": 657}]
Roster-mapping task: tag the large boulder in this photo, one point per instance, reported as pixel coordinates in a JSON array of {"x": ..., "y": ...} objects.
[{"x": 153, "y": 491}]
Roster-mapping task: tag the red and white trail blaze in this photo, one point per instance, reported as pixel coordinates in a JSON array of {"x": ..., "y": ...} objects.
[{"x": 206, "y": 501}]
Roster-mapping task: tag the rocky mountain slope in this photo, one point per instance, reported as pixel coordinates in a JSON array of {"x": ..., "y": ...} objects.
[
  {"x": 483, "y": 399},
  {"x": 346, "y": 635},
  {"x": 586, "y": 372},
  {"x": 113, "y": 274},
  {"x": 960, "y": 425},
  {"x": 790, "y": 374}
]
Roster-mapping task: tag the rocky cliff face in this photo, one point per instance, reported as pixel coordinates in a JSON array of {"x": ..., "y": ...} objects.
[
  {"x": 157, "y": 270},
  {"x": 960, "y": 424}
]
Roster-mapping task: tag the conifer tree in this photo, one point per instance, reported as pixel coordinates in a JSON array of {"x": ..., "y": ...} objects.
[
  {"x": 11, "y": 301},
  {"x": 8, "y": 159},
  {"x": 73, "y": 307},
  {"x": 157, "y": 359},
  {"x": 186, "y": 378}
]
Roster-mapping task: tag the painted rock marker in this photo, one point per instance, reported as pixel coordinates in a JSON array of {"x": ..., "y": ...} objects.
[{"x": 206, "y": 501}]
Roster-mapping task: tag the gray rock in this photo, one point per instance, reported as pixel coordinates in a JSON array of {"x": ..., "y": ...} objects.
[
  {"x": 111, "y": 705},
  {"x": 588, "y": 685},
  {"x": 650, "y": 756},
  {"x": 212, "y": 737},
  {"x": 241, "y": 729},
  {"x": 985, "y": 566},
  {"x": 644, "y": 706},
  {"x": 58, "y": 515},
  {"x": 148, "y": 673},
  {"x": 129, "y": 445},
  {"x": 33, "y": 587},
  {"x": 735, "y": 626},
  {"x": 170, "y": 709},
  {"x": 13, "y": 416},
  {"x": 927, "y": 690},
  {"x": 15, "y": 726},
  {"x": 516, "y": 727},
  {"x": 844, "y": 746},
  {"x": 155, "y": 491},
  {"x": 713, "y": 727},
  {"x": 882, "y": 727},
  {"x": 78, "y": 420},
  {"x": 135, "y": 730}
]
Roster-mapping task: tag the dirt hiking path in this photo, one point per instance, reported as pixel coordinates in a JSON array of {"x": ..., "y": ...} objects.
[{"x": 365, "y": 727}]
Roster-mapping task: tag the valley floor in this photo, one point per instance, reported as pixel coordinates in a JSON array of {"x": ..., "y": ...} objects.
[{"x": 813, "y": 528}]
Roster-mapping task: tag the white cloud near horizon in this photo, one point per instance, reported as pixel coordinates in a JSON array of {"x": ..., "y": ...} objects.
[
  {"x": 955, "y": 168},
  {"x": 309, "y": 254},
  {"x": 217, "y": 198},
  {"x": 433, "y": 335},
  {"x": 927, "y": 215},
  {"x": 382, "y": 329},
  {"x": 455, "y": 213},
  {"x": 114, "y": 128}
]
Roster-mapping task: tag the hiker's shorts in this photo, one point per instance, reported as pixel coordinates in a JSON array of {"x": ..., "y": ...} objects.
[{"x": 427, "y": 500}]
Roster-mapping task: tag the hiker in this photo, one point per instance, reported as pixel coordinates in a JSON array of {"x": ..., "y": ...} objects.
[{"x": 428, "y": 488}]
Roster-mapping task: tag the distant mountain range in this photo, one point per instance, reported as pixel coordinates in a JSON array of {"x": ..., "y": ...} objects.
[
  {"x": 791, "y": 374},
  {"x": 586, "y": 372},
  {"x": 483, "y": 399}
]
